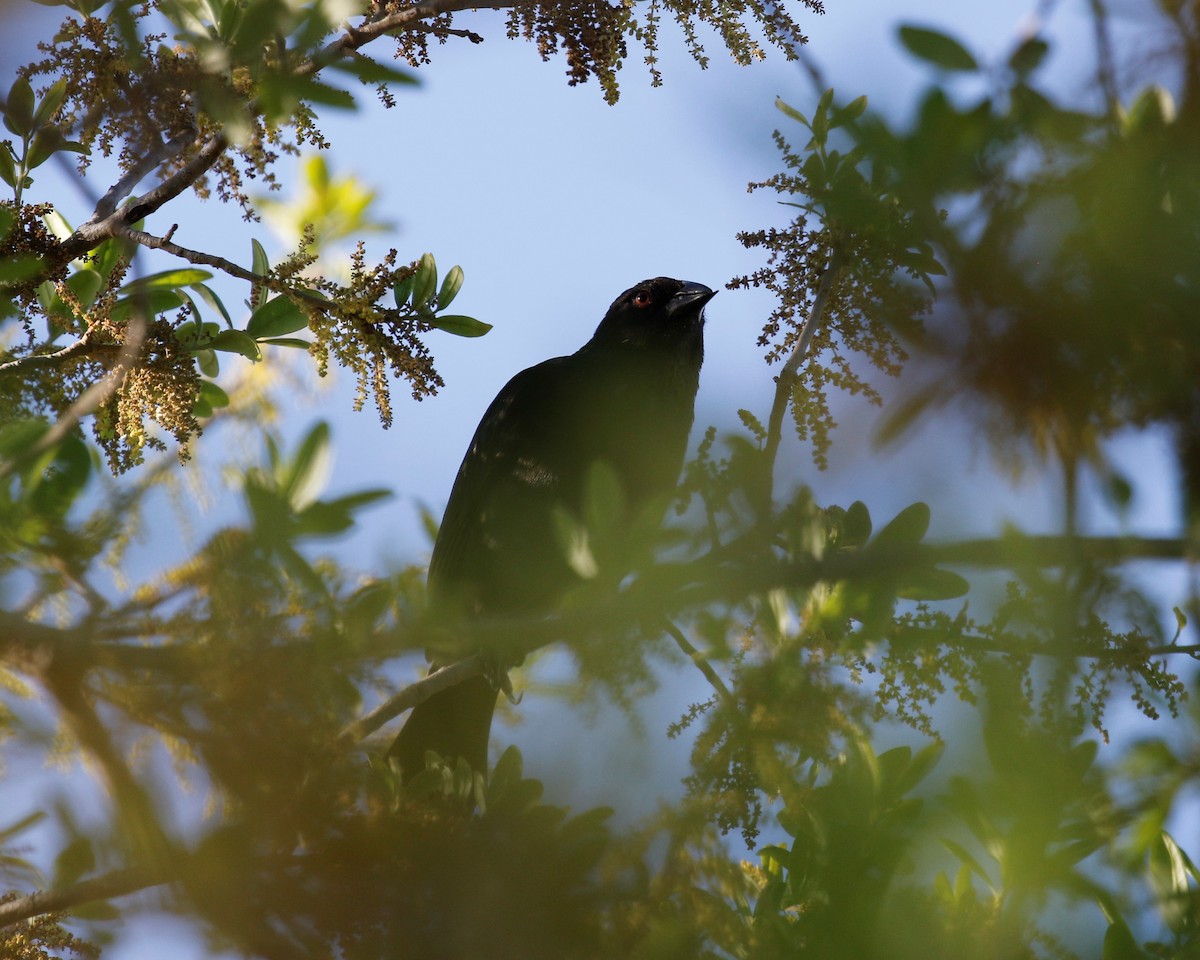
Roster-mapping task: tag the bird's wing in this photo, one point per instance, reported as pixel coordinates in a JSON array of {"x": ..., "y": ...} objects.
[{"x": 504, "y": 475}]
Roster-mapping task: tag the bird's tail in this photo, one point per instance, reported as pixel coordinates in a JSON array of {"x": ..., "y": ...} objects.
[{"x": 455, "y": 722}]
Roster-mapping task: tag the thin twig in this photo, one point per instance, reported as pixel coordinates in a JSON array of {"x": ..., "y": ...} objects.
[
  {"x": 791, "y": 369},
  {"x": 85, "y": 346},
  {"x": 167, "y": 245},
  {"x": 355, "y": 37},
  {"x": 108, "y": 203},
  {"x": 698, "y": 659},
  {"x": 101, "y": 227},
  {"x": 410, "y": 696},
  {"x": 1106, "y": 70}
]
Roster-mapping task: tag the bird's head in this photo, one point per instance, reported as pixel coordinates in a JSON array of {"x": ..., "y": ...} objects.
[{"x": 661, "y": 312}]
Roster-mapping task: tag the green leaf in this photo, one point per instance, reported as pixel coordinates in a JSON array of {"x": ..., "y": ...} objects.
[
  {"x": 58, "y": 224},
  {"x": 106, "y": 256},
  {"x": 425, "y": 281},
  {"x": 908, "y": 526},
  {"x": 213, "y": 394},
  {"x": 403, "y": 290},
  {"x": 235, "y": 341},
  {"x": 820, "y": 121},
  {"x": 51, "y": 101},
  {"x": 1154, "y": 108},
  {"x": 208, "y": 296},
  {"x": 8, "y": 167},
  {"x": 18, "y": 268},
  {"x": 18, "y": 110},
  {"x": 937, "y": 48},
  {"x": 151, "y": 302},
  {"x": 372, "y": 71},
  {"x": 168, "y": 279},
  {"x": 307, "y": 474},
  {"x": 856, "y": 525},
  {"x": 1119, "y": 943},
  {"x": 460, "y": 326},
  {"x": 932, "y": 584},
  {"x": 920, "y": 767},
  {"x": 261, "y": 266},
  {"x": 450, "y": 287},
  {"x": 85, "y": 284},
  {"x": 850, "y": 112},
  {"x": 1028, "y": 56},
  {"x": 966, "y": 858},
  {"x": 277, "y": 317},
  {"x": 62, "y": 484},
  {"x": 285, "y": 342},
  {"x": 45, "y": 142},
  {"x": 356, "y": 501},
  {"x": 73, "y": 861},
  {"x": 907, "y": 412},
  {"x": 322, "y": 520},
  {"x": 791, "y": 112},
  {"x": 207, "y": 361},
  {"x": 314, "y": 91}
]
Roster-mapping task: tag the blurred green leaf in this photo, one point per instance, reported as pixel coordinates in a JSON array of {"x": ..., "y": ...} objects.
[
  {"x": 932, "y": 584},
  {"x": 937, "y": 48},
  {"x": 373, "y": 71},
  {"x": 908, "y": 526},
  {"x": 73, "y": 861},
  {"x": 1028, "y": 56}
]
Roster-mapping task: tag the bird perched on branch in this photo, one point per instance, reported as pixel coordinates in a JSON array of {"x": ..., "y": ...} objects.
[{"x": 624, "y": 400}]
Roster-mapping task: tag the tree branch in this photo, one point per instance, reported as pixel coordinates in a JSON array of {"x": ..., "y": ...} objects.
[
  {"x": 90, "y": 399},
  {"x": 101, "y": 227},
  {"x": 107, "y": 204},
  {"x": 410, "y": 696},
  {"x": 211, "y": 260},
  {"x": 107, "y": 220},
  {"x": 699, "y": 660},
  {"x": 356, "y": 37},
  {"x": 119, "y": 883}
]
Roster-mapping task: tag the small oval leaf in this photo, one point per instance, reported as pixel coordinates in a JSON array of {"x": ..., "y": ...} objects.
[
  {"x": 460, "y": 326},
  {"x": 277, "y": 317},
  {"x": 235, "y": 341}
]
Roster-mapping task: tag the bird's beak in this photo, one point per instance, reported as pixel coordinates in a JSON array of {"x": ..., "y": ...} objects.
[{"x": 690, "y": 298}]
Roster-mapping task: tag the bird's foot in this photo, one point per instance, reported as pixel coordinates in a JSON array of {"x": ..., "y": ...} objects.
[{"x": 497, "y": 675}]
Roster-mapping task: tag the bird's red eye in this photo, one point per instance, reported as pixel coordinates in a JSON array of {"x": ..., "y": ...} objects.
[{"x": 641, "y": 299}]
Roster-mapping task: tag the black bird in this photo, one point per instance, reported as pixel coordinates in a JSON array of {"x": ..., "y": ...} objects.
[{"x": 626, "y": 399}]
